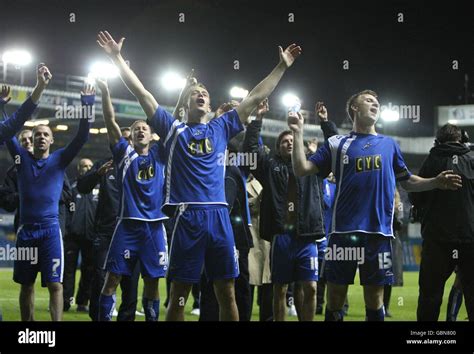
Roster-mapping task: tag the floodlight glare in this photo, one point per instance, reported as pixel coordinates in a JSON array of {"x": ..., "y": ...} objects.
[
  {"x": 172, "y": 81},
  {"x": 102, "y": 70},
  {"x": 290, "y": 100},
  {"x": 238, "y": 92},
  {"x": 17, "y": 57},
  {"x": 390, "y": 115}
]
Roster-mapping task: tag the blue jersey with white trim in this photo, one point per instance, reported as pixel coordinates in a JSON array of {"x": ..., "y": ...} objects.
[
  {"x": 195, "y": 170},
  {"x": 366, "y": 168},
  {"x": 142, "y": 178}
]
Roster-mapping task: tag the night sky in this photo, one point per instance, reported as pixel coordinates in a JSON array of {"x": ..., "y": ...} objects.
[{"x": 406, "y": 63}]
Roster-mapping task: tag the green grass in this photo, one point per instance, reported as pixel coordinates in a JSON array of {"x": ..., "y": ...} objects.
[{"x": 403, "y": 304}]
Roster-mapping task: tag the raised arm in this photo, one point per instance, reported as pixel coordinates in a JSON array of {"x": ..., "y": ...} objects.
[
  {"x": 43, "y": 77},
  {"x": 179, "y": 109},
  {"x": 133, "y": 83},
  {"x": 267, "y": 85},
  {"x": 328, "y": 127},
  {"x": 11, "y": 125},
  {"x": 251, "y": 141},
  {"x": 113, "y": 129},
  {"x": 301, "y": 166},
  {"x": 76, "y": 144},
  {"x": 446, "y": 180}
]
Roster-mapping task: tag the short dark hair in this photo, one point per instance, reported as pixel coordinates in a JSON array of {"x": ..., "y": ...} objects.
[
  {"x": 353, "y": 98},
  {"x": 279, "y": 139},
  {"x": 448, "y": 132}
]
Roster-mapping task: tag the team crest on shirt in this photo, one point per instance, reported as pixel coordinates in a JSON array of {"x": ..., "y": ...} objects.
[
  {"x": 200, "y": 147},
  {"x": 368, "y": 163}
]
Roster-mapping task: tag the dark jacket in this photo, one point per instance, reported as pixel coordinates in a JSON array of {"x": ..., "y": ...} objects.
[
  {"x": 447, "y": 215},
  {"x": 273, "y": 173},
  {"x": 108, "y": 204},
  {"x": 83, "y": 213},
  {"x": 235, "y": 194}
]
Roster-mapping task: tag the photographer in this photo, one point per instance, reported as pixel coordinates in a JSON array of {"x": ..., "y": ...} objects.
[{"x": 447, "y": 224}]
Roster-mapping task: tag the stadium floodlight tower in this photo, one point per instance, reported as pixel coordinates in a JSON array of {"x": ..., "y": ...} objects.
[{"x": 17, "y": 57}]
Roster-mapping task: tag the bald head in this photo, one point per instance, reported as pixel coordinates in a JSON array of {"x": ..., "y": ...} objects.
[
  {"x": 84, "y": 166},
  {"x": 42, "y": 138}
]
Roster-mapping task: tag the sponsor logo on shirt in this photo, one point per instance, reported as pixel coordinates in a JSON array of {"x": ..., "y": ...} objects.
[{"x": 368, "y": 163}]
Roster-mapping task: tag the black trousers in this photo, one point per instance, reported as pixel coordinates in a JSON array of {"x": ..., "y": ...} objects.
[
  {"x": 209, "y": 307},
  {"x": 438, "y": 260},
  {"x": 128, "y": 284},
  {"x": 73, "y": 245},
  {"x": 264, "y": 301},
  {"x": 321, "y": 286}
]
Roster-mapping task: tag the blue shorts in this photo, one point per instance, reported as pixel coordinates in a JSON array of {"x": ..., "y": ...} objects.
[
  {"x": 293, "y": 259},
  {"x": 322, "y": 245},
  {"x": 138, "y": 240},
  {"x": 202, "y": 239},
  {"x": 43, "y": 246},
  {"x": 372, "y": 253}
]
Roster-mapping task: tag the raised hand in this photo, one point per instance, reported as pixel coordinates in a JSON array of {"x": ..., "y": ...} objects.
[
  {"x": 447, "y": 180},
  {"x": 102, "y": 85},
  {"x": 108, "y": 43},
  {"x": 289, "y": 55},
  {"x": 88, "y": 90},
  {"x": 321, "y": 111},
  {"x": 106, "y": 167},
  {"x": 262, "y": 109},
  {"x": 226, "y": 107},
  {"x": 190, "y": 79},
  {"x": 295, "y": 122},
  {"x": 43, "y": 75},
  {"x": 4, "y": 94}
]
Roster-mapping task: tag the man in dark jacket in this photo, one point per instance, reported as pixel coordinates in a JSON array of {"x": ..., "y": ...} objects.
[
  {"x": 447, "y": 224},
  {"x": 291, "y": 218},
  {"x": 79, "y": 240},
  {"x": 105, "y": 175}
]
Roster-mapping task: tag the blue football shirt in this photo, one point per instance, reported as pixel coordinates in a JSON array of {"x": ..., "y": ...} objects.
[
  {"x": 366, "y": 168},
  {"x": 40, "y": 181},
  {"x": 195, "y": 170},
  {"x": 141, "y": 182}
]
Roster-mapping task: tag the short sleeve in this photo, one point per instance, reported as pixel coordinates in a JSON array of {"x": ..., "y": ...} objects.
[
  {"x": 322, "y": 159},
  {"x": 401, "y": 170},
  {"x": 119, "y": 150},
  {"x": 229, "y": 123},
  {"x": 162, "y": 122}
]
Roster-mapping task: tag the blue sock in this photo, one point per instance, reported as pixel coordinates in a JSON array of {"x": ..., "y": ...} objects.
[
  {"x": 375, "y": 315},
  {"x": 333, "y": 316},
  {"x": 106, "y": 307},
  {"x": 151, "y": 308}
]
